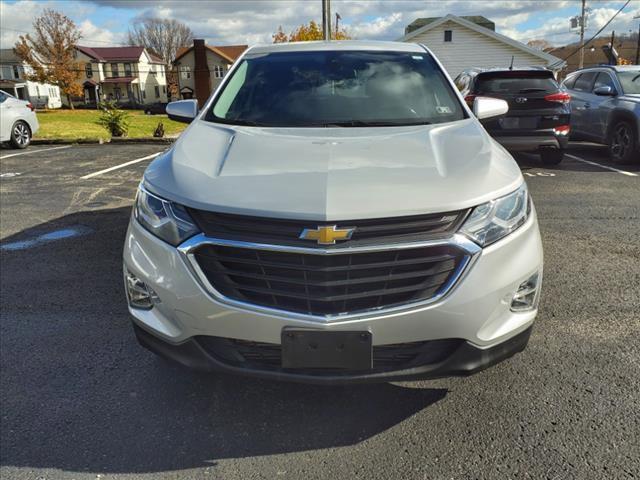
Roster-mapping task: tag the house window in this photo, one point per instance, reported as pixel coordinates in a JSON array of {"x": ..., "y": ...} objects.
[
  {"x": 114, "y": 70},
  {"x": 127, "y": 69},
  {"x": 448, "y": 35},
  {"x": 164, "y": 89},
  {"x": 117, "y": 92},
  {"x": 16, "y": 72},
  {"x": 185, "y": 72},
  {"x": 157, "y": 91},
  {"x": 88, "y": 70},
  {"x": 218, "y": 71}
]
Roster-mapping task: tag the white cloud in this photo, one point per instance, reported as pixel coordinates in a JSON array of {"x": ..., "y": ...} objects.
[
  {"x": 94, "y": 36},
  {"x": 254, "y": 21}
]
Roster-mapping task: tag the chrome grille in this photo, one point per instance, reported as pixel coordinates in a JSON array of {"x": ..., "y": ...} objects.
[{"x": 327, "y": 285}]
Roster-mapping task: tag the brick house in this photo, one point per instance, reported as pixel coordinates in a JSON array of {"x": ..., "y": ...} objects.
[{"x": 200, "y": 68}]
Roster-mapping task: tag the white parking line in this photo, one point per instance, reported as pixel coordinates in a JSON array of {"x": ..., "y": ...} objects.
[
  {"x": 122, "y": 165},
  {"x": 34, "y": 151},
  {"x": 623, "y": 172}
]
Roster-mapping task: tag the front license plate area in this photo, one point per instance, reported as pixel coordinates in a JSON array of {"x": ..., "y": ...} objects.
[{"x": 345, "y": 350}]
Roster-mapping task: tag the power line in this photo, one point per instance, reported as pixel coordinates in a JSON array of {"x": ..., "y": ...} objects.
[{"x": 592, "y": 38}]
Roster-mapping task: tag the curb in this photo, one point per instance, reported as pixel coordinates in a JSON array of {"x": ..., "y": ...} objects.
[{"x": 100, "y": 141}]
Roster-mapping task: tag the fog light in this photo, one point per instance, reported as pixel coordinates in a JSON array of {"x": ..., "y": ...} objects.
[
  {"x": 527, "y": 295},
  {"x": 139, "y": 293}
]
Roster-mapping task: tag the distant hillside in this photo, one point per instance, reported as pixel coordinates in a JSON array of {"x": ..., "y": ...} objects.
[{"x": 626, "y": 47}]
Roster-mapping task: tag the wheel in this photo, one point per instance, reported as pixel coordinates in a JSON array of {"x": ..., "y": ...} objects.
[
  {"x": 20, "y": 135},
  {"x": 623, "y": 143},
  {"x": 147, "y": 112},
  {"x": 551, "y": 156}
]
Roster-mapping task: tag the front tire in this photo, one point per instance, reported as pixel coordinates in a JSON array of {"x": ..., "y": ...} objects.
[
  {"x": 20, "y": 135},
  {"x": 623, "y": 143},
  {"x": 551, "y": 156}
]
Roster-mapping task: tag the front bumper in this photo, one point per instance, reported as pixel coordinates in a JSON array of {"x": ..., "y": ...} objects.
[
  {"x": 476, "y": 312},
  {"x": 466, "y": 359}
]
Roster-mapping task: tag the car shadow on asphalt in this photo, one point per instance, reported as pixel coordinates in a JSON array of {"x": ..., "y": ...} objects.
[{"x": 79, "y": 395}]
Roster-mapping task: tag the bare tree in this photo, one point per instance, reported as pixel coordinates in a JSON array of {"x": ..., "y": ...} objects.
[
  {"x": 51, "y": 52},
  {"x": 539, "y": 44},
  {"x": 163, "y": 37}
]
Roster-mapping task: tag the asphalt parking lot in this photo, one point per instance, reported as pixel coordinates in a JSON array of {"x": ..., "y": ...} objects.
[{"x": 81, "y": 400}]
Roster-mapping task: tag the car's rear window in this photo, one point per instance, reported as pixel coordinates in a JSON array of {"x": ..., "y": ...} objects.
[
  {"x": 515, "y": 82},
  {"x": 336, "y": 89}
]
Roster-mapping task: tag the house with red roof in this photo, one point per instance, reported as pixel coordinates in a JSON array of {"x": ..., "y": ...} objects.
[
  {"x": 202, "y": 67},
  {"x": 132, "y": 76}
]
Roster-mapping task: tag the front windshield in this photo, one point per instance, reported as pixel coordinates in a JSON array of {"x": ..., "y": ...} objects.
[
  {"x": 336, "y": 88},
  {"x": 630, "y": 82}
]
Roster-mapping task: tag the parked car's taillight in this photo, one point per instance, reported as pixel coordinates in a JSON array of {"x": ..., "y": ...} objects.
[
  {"x": 560, "y": 97},
  {"x": 469, "y": 99},
  {"x": 562, "y": 130},
  {"x": 30, "y": 107}
]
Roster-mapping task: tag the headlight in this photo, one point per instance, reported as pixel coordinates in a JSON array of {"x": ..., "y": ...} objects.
[
  {"x": 496, "y": 219},
  {"x": 166, "y": 220}
]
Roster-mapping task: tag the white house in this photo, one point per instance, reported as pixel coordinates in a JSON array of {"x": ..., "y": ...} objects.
[
  {"x": 129, "y": 75},
  {"x": 13, "y": 81},
  {"x": 460, "y": 43}
]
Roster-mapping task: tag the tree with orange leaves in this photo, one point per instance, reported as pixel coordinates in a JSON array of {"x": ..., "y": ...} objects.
[
  {"x": 51, "y": 53},
  {"x": 308, "y": 33}
]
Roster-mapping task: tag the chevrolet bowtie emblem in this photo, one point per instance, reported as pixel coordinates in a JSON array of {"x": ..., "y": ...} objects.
[{"x": 327, "y": 234}]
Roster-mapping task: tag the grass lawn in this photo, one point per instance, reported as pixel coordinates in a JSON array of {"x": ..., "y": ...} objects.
[{"x": 82, "y": 125}]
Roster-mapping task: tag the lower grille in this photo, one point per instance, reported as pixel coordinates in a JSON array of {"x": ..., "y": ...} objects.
[
  {"x": 267, "y": 356},
  {"x": 329, "y": 284}
]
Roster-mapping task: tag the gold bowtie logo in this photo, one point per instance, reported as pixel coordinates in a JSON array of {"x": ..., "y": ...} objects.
[{"x": 327, "y": 234}]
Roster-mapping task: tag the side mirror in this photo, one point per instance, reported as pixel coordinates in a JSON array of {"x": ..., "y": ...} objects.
[
  {"x": 605, "y": 91},
  {"x": 486, "y": 107},
  {"x": 183, "y": 110}
]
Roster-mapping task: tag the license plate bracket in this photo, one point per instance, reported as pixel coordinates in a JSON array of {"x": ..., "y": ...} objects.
[{"x": 308, "y": 348}]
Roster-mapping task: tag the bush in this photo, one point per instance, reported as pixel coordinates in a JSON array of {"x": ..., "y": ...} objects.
[{"x": 116, "y": 121}]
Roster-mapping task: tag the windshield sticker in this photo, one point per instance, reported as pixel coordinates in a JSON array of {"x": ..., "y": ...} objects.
[
  {"x": 443, "y": 110},
  {"x": 417, "y": 57}
]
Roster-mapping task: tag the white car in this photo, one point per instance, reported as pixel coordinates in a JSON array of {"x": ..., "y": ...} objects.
[
  {"x": 18, "y": 121},
  {"x": 334, "y": 213}
]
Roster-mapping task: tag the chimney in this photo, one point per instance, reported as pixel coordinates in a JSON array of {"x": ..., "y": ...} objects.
[{"x": 201, "y": 74}]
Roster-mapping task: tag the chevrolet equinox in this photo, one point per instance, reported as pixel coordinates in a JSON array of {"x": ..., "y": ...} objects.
[{"x": 334, "y": 213}]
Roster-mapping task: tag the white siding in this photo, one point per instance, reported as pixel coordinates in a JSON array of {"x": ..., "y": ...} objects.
[{"x": 472, "y": 49}]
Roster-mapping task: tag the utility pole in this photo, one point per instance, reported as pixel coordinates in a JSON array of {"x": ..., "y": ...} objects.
[
  {"x": 338, "y": 18},
  {"x": 638, "y": 46},
  {"x": 326, "y": 19},
  {"x": 582, "y": 35}
]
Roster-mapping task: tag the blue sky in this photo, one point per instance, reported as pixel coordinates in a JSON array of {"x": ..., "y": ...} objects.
[{"x": 105, "y": 22}]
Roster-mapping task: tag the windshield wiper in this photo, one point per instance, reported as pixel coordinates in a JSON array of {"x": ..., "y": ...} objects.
[
  {"x": 373, "y": 123},
  {"x": 238, "y": 122}
]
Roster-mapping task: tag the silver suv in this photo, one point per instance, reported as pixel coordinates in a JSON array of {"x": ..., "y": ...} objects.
[{"x": 605, "y": 108}]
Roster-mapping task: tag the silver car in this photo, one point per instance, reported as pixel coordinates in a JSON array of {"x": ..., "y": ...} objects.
[
  {"x": 605, "y": 108},
  {"x": 334, "y": 213},
  {"x": 18, "y": 121}
]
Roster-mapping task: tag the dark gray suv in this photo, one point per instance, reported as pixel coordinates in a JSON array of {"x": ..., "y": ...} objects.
[{"x": 605, "y": 108}]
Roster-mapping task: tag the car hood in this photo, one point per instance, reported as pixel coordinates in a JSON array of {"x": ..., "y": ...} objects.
[{"x": 333, "y": 173}]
